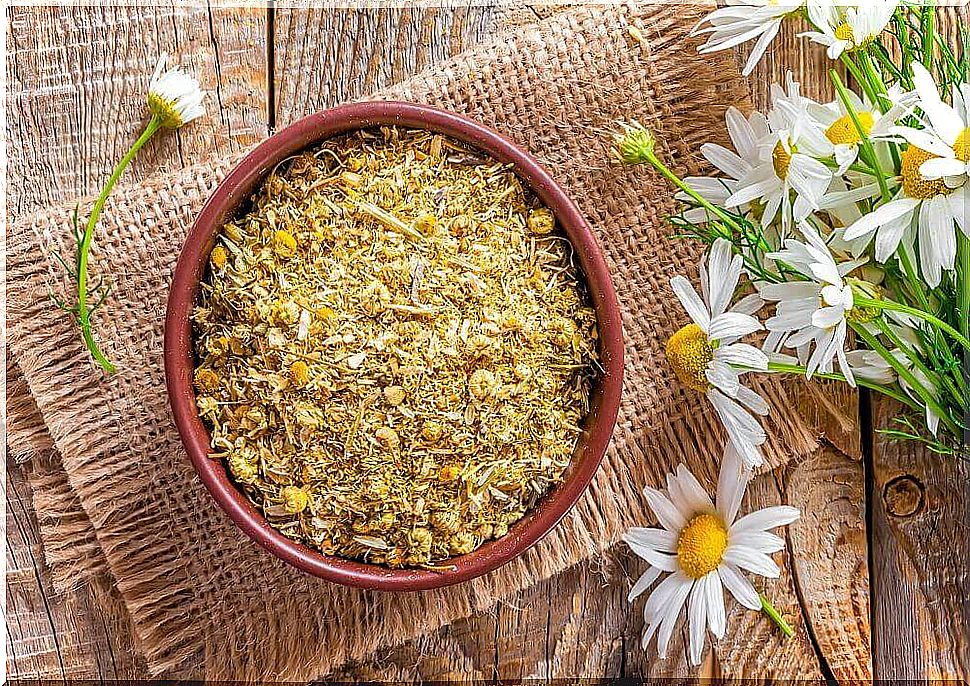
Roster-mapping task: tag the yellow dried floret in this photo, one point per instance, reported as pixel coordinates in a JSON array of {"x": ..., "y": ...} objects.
[
  {"x": 295, "y": 499},
  {"x": 300, "y": 373},
  {"x": 394, "y": 395},
  {"x": 388, "y": 437},
  {"x": 283, "y": 243},
  {"x": 482, "y": 384},
  {"x": 218, "y": 257},
  {"x": 206, "y": 380},
  {"x": 542, "y": 221}
]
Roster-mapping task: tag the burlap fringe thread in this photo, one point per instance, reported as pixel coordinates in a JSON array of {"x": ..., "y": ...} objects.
[{"x": 204, "y": 601}]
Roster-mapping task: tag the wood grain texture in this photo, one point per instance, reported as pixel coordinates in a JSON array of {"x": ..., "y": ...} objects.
[
  {"x": 325, "y": 57},
  {"x": 921, "y": 580}
]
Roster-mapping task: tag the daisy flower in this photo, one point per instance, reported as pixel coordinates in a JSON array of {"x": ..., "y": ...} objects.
[
  {"x": 704, "y": 548},
  {"x": 740, "y": 22},
  {"x": 174, "y": 96},
  {"x": 745, "y": 133},
  {"x": 845, "y": 27},
  {"x": 816, "y": 311},
  {"x": 841, "y": 131},
  {"x": 706, "y": 356},
  {"x": 934, "y": 193},
  {"x": 788, "y": 162},
  {"x": 945, "y": 134}
]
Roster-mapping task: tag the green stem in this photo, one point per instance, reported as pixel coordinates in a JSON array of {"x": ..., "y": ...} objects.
[
  {"x": 888, "y": 391},
  {"x": 917, "y": 361},
  {"x": 905, "y": 374},
  {"x": 84, "y": 315},
  {"x": 679, "y": 183},
  {"x": 858, "y": 76},
  {"x": 964, "y": 286},
  {"x": 929, "y": 19},
  {"x": 775, "y": 616},
  {"x": 915, "y": 312},
  {"x": 875, "y": 79}
]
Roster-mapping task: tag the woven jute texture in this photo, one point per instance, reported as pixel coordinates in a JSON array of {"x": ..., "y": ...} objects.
[{"x": 204, "y": 600}]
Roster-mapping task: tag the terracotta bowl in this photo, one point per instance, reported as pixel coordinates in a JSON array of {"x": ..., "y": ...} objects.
[{"x": 237, "y": 188}]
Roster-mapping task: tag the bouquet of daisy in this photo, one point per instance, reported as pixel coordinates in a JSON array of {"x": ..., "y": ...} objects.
[{"x": 838, "y": 248}]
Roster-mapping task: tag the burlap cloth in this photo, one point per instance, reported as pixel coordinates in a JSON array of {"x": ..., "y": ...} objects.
[{"x": 115, "y": 491}]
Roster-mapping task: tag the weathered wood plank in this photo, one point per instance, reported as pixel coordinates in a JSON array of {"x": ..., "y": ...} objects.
[
  {"x": 325, "y": 57},
  {"x": 921, "y": 580}
]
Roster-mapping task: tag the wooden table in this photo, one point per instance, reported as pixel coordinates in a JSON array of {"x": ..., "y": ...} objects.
[{"x": 876, "y": 576}]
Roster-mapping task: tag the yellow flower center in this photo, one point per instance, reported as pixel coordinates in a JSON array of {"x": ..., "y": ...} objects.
[
  {"x": 844, "y": 132},
  {"x": 689, "y": 352},
  {"x": 781, "y": 159},
  {"x": 914, "y": 185},
  {"x": 961, "y": 147},
  {"x": 844, "y": 32},
  {"x": 701, "y": 545},
  {"x": 165, "y": 110}
]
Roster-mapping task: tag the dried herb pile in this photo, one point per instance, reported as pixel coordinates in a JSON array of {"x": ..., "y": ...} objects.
[{"x": 394, "y": 353}]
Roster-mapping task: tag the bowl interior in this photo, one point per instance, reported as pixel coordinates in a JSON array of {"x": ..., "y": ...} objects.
[{"x": 225, "y": 201}]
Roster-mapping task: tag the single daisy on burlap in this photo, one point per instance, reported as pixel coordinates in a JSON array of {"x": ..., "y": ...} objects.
[
  {"x": 704, "y": 549},
  {"x": 706, "y": 354}
]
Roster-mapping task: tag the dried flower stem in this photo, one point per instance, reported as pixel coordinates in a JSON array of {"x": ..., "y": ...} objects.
[{"x": 84, "y": 248}]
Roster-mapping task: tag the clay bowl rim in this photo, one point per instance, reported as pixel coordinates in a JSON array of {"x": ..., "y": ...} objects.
[{"x": 179, "y": 365}]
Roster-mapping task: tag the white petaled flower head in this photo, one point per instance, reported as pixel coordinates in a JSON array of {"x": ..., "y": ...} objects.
[
  {"x": 945, "y": 133},
  {"x": 789, "y": 162},
  {"x": 706, "y": 354},
  {"x": 704, "y": 548},
  {"x": 174, "y": 96},
  {"x": 814, "y": 312},
  {"x": 744, "y": 20},
  {"x": 842, "y": 132},
  {"x": 848, "y": 26},
  {"x": 934, "y": 205},
  {"x": 746, "y": 134}
]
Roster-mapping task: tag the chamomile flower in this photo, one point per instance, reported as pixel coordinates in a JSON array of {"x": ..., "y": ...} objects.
[
  {"x": 813, "y": 312},
  {"x": 843, "y": 27},
  {"x": 842, "y": 132},
  {"x": 924, "y": 209},
  {"x": 704, "y": 548},
  {"x": 789, "y": 162},
  {"x": 745, "y": 133},
  {"x": 174, "y": 96},
  {"x": 706, "y": 356},
  {"x": 741, "y": 21},
  {"x": 946, "y": 133}
]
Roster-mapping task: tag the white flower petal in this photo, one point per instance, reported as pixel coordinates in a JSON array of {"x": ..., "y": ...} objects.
[
  {"x": 672, "y": 611},
  {"x": 660, "y": 540},
  {"x": 670, "y": 518},
  {"x": 938, "y": 167},
  {"x": 691, "y": 301},
  {"x": 880, "y": 216},
  {"x": 739, "y": 586},
  {"x": 714, "y": 593},
  {"x": 944, "y": 118},
  {"x": 767, "y": 518},
  {"x": 752, "y": 401},
  {"x": 643, "y": 583},
  {"x": 762, "y": 541},
  {"x": 697, "y": 620},
  {"x": 731, "y": 483},
  {"x": 753, "y": 561},
  {"x": 742, "y": 355},
  {"x": 732, "y": 325},
  {"x": 692, "y": 490},
  {"x": 723, "y": 377}
]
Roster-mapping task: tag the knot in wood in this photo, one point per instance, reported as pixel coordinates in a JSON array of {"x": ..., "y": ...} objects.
[{"x": 904, "y": 496}]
